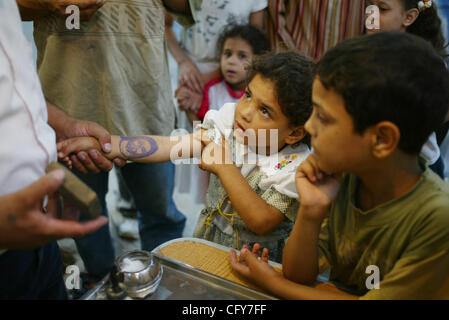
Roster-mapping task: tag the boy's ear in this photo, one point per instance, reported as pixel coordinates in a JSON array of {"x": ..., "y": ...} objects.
[
  {"x": 385, "y": 139},
  {"x": 296, "y": 135},
  {"x": 410, "y": 17}
]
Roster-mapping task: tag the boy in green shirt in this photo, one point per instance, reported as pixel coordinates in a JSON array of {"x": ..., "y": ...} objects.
[{"x": 383, "y": 226}]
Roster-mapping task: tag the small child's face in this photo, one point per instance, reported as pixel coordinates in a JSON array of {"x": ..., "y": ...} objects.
[
  {"x": 393, "y": 16},
  {"x": 236, "y": 55},
  {"x": 258, "y": 112},
  {"x": 336, "y": 146}
]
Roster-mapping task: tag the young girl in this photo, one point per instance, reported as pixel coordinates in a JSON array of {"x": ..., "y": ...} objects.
[
  {"x": 419, "y": 18},
  {"x": 252, "y": 148},
  {"x": 414, "y": 16},
  {"x": 237, "y": 45}
]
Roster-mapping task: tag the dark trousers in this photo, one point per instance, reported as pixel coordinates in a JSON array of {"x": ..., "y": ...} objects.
[
  {"x": 151, "y": 187},
  {"x": 34, "y": 274}
]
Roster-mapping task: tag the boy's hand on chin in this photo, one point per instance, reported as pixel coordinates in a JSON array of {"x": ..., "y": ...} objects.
[{"x": 316, "y": 189}]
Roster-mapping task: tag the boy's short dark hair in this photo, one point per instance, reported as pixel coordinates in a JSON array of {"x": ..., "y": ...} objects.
[
  {"x": 390, "y": 76},
  {"x": 292, "y": 74},
  {"x": 253, "y": 36}
]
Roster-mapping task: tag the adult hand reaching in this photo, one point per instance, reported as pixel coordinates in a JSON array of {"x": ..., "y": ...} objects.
[
  {"x": 23, "y": 224},
  {"x": 67, "y": 127}
]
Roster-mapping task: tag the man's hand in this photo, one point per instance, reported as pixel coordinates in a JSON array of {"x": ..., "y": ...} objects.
[
  {"x": 93, "y": 160},
  {"x": 24, "y": 225},
  {"x": 67, "y": 127},
  {"x": 33, "y": 9}
]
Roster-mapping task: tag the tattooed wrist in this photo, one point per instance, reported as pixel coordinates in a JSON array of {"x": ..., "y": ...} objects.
[{"x": 137, "y": 147}]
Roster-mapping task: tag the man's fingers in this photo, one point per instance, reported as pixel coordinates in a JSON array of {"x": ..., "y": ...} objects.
[
  {"x": 48, "y": 184},
  {"x": 97, "y": 131},
  {"x": 58, "y": 229},
  {"x": 87, "y": 162},
  {"x": 119, "y": 162},
  {"x": 101, "y": 161},
  {"x": 78, "y": 165}
]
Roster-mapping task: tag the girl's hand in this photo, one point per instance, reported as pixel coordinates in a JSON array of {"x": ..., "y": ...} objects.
[
  {"x": 216, "y": 157},
  {"x": 74, "y": 145},
  {"x": 190, "y": 76},
  {"x": 316, "y": 189},
  {"x": 182, "y": 95},
  {"x": 251, "y": 268}
]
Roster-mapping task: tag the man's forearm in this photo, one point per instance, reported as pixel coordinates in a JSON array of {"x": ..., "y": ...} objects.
[
  {"x": 178, "y": 6},
  {"x": 173, "y": 45},
  {"x": 57, "y": 119}
]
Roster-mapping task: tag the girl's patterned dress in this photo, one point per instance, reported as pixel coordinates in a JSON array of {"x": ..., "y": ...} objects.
[{"x": 271, "y": 177}]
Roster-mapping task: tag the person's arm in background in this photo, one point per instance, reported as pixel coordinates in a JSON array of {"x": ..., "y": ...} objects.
[
  {"x": 68, "y": 127},
  {"x": 23, "y": 224},
  {"x": 257, "y": 19},
  {"x": 178, "y": 6},
  {"x": 189, "y": 74},
  {"x": 35, "y": 9}
]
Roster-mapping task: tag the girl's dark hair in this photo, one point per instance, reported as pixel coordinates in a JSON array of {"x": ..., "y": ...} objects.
[
  {"x": 428, "y": 26},
  {"x": 292, "y": 74},
  {"x": 253, "y": 36}
]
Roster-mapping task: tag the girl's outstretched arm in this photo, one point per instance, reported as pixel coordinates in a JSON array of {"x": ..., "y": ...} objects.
[{"x": 141, "y": 148}]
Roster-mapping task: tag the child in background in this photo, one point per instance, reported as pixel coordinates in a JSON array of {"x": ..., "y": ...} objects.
[
  {"x": 413, "y": 16},
  {"x": 376, "y": 99},
  {"x": 237, "y": 46},
  {"x": 419, "y": 18},
  {"x": 252, "y": 195}
]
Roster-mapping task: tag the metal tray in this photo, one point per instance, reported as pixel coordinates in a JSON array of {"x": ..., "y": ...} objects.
[{"x": 183, "y": 282}]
